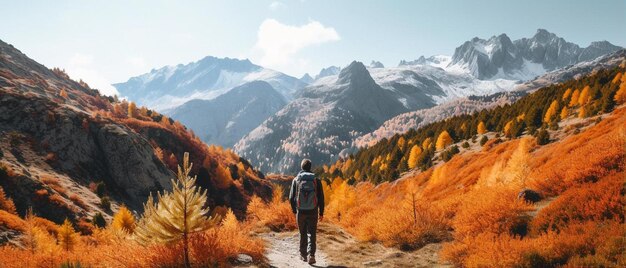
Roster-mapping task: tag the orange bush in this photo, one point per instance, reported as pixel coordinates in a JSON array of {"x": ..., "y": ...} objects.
[
  {"x": 276, "y": 214},
  {"x": 11, "y": 221},
  {"x": 588, "y": 202}
]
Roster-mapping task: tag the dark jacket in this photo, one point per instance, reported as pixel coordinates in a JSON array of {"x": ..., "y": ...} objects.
[{"x": 293, "y": 195}]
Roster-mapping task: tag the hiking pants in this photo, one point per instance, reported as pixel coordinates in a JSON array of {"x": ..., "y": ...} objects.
[{"x": 307, "y": 225}]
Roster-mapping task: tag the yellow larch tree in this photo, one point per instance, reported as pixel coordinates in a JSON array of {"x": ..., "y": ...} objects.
[
  {"x": 176, "y": 214},
  {"x": 567, "y": 94},
  {"x": 124, "y": 220},
  {"x": 617, "y": 78},
  {"x": 620, "y": 95},
  {"x": 564, "y": 113},
  {"x": 551, "y": 112},
  {"x": 481, "y": 129},
  {"x": 414, "y": 156},
  {"x": 132, "y": 110},
  {"x": 585, "y": 96},
  {"x": 427, "y": 143},
  {"x": 67, "y": 237},
  {"x": 574, "y": 100},
  {"x": 443, "y": 140}
]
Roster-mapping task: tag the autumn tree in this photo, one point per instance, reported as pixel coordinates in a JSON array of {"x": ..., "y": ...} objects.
[
  {"x": 551, "y": 112},
  {"x": 414, "y": 156},
  {"x": 223, "y": 178},
  {"x": 34, "y": 238},
  {"x": 124, "y": 220},
  {"x": 132, "y": 110},
  {"x": 427, "y": 143},
  {"x": 617, "y": 78},
  {"x": 564, "y": 113},
  {"x": 567, "y": 94},
  {"x": 481, "y": 129},
  {"x": 582, "y": 112},
  {"x": 585, "y": 96},
  {"x": 67, "y": 237},
  {"x": 6, "y": 203},
  {"x": 63, "y": 93},
  {"x": 620, "y": 95},
  {"x": 177, "y": 214},
  {"x": 443, "y": 140},
  {"x": 401, "y": 143},
  {"x": 574, "y": 100}
]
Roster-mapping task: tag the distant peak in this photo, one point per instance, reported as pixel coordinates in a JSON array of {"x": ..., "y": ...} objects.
[
  {"x": 543, "y": 34},
  {"x": 376, "y": 64},
  {"x": 355, "y": 66},
  {"x": 355, "y": 72}
]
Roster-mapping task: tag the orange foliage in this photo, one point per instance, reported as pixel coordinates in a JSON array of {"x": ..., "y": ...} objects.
[
  {"x": 11, "y": 221},
  {"x": 6, "y": 203},
  {"x": 276, "y": 214}
]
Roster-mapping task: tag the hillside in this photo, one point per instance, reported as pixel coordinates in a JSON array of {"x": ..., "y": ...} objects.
[
  {"x": 467, "y": 105},
  {"x": 548, "y": 200},
  {"x": 67, "y": 152},
  {"x": 387, "y": 159}
]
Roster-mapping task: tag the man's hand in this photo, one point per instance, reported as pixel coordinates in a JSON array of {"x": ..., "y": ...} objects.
[{"x": 321, "y": 217}]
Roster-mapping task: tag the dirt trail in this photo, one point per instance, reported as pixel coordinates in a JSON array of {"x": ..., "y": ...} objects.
[{"x": 336, "y": 248}]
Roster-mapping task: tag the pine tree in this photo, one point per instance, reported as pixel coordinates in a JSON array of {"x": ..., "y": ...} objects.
[
  {"x": 177, "y": 214},
  {"x": 68, "y": 238},
  {"x": 124, "y": 220},
  {"x": 564, "y": 113},
  {"x": 132, "y": 110},
  {"x": 223, "y": 178},
  {"x": 551, "y": 112},
  {"x": 443, "y": 140},
  {"x": 481, "y": 129},
  {"x": 427, "y": 143},
  {"x": 7, "y": 203},
  {"x": 582, "y": 112},
  {"x": 574, "y": 100},
  {"x": 414, "y": 155},
  {"x": 620, "y": 95},
  {"x": 584, "y": 96},
  {"x": 34, "y": 238},
  {"x": 567, "y": 94}
]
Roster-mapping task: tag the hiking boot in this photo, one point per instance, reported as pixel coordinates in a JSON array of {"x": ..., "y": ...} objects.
[
  {"x": 312, "y": 259},
  {"x": 303, "y": 258}
]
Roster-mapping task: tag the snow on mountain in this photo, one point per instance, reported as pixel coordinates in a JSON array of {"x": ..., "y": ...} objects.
[
  {"x": 171, "y": 86},
  {"x": 321, "y": 121},
  {"x": 499, "y": 57},
  {"x": 332, "y": 70},
  {"x": 306, "y": 78},
  {"x": 466, "y": 105},
  {"x": 228, "y": 117},
  {"x": 376, "y": 64}
]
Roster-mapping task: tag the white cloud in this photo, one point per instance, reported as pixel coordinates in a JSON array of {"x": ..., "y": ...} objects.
[
  {"x": 81, "y": 66},
  {"x": 279, "y": 44},
  {"x": 276, "y": 5}
]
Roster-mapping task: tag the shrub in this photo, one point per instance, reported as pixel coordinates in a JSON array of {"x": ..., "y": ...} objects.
[
  {"x": 98, "y": 220},
  {"x": 543, "y": 137},
  {"x": 105, "y": 203},
  {"x": 483, "y": 140}
]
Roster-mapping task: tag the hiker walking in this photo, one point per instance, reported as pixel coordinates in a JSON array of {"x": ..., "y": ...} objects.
[{"x": 307, "y": 200}]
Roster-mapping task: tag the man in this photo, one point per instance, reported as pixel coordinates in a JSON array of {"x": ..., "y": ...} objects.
[{"x": 307, "y": 200}]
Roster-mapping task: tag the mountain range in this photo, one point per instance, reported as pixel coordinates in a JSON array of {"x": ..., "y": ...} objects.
[
  {"x": 310, "y": 124},
  {"x": 171, "y": 86},
  {"x": 227, "y": 118}
]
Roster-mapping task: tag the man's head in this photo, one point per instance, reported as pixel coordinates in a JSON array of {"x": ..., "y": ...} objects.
[{"x": 306, "y": 165}]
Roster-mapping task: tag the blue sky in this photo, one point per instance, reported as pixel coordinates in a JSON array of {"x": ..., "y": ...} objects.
[{"x": 105, "y": 42}]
